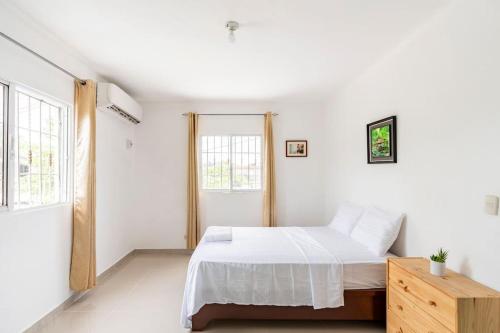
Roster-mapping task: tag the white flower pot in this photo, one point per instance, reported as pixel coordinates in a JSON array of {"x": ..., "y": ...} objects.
[{"x": 438, "y": 268}]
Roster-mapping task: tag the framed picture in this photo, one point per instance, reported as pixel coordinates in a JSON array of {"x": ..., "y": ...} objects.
[
  {"x": 296, "y": 148},
  {"x": 382, "y": 141}
]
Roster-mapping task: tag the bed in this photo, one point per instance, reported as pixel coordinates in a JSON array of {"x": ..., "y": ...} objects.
[{"x": 283, "y": 273}]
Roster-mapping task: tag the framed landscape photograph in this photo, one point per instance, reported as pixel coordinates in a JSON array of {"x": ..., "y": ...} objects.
[
  {"x": 382, "y": 141},
  {"x": 296, "y": 148}
]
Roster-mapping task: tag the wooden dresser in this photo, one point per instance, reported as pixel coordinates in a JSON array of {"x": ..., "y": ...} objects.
[{"x": 418, "y": 302}]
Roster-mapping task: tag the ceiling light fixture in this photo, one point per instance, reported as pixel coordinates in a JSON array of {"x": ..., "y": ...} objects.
[{"x": 232, "y": 26}]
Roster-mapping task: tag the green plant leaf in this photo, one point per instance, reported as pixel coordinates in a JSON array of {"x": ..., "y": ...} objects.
[{"x": 441, "y": 256}]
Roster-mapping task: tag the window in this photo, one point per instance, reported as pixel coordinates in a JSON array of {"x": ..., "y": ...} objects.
[
  {"x": 231, "y": 163},
  {"x": 4, "y": 93},
  {"x": 41, "y": 151}
]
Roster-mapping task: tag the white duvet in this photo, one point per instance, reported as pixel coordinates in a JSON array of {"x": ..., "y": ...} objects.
[{"x": 263, "y": 266}]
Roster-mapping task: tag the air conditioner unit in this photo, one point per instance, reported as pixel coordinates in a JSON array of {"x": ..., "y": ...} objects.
[{"x": 111, "y": 97}]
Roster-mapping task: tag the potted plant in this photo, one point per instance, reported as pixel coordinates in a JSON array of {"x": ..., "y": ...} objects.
[{"x": 438, "y": 262}]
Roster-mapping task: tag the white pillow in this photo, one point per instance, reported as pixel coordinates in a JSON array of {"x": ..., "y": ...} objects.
[
  {"x": 346, "y": 218},
  {"x": 377, "y": 230}
]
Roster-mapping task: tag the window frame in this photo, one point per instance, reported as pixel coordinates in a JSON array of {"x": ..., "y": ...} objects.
[
  {"x": 231, "y": 189},
  {"x": 67, "y": 148},
  {"x": 4, "y": 186}
]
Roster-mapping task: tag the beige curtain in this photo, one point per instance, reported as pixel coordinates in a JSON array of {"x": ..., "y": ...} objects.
[
  {"x": 193, "y": 223},
  {"x": 269, "y": 218},
  {"x": 83, "y": 271}
]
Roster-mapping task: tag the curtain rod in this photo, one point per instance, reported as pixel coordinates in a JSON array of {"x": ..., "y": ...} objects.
[
  {"x": 230, "y": 114},
  {"x": 12, "y": 40}
]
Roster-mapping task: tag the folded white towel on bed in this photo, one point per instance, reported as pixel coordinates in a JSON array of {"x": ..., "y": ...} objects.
[{"x": 218, "y": 234}]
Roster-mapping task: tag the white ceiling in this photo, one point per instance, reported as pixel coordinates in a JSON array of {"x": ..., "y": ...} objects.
[{"x": 177, "y": 50}]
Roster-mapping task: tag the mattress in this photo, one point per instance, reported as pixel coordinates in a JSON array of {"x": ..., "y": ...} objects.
[
  {"x": 289, "y": 266},
  {"x": 362, "y": 269}
]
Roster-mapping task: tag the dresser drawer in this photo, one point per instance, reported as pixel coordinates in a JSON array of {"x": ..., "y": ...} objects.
[
  {"x": 412, "y": 315},
  {"x": 433, "y": 301},
  {"x": 396, "y": 324}
]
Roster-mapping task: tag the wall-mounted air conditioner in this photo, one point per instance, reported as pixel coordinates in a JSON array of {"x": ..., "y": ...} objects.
[{"x": 111, "y": 97}]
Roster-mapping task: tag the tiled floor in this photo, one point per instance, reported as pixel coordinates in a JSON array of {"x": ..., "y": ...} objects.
[{"x": 145, "y": 295}]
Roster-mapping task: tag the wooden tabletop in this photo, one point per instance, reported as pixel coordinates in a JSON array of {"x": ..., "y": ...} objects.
[{"x": 454, "y": 284}]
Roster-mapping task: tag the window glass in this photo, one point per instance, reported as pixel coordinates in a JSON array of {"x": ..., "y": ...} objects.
[
  {"x": 231, "y": 162},
  {"x": 42, "y": 142}
]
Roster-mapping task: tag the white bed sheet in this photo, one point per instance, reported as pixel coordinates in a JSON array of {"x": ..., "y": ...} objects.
[
  {"x": 362, "y": 269},
  {"x": 308, "y": 266}
]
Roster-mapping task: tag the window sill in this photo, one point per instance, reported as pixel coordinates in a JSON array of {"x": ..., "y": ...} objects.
[
  {"x": 34, "y": 209},
  {"x": 230, "y": 191}
]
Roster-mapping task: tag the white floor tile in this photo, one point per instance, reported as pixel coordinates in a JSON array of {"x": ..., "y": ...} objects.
[{"x": 145, "y": 295}]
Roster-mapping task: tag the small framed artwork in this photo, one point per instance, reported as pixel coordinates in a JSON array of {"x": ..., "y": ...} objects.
[
  {"x": 382, "y": 141},
  {"x": 296, "y": 148}
]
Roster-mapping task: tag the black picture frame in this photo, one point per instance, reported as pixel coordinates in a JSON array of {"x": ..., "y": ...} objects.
[
  {"x": 385, "y": 150},
  {"x": 301, "y": 142}
]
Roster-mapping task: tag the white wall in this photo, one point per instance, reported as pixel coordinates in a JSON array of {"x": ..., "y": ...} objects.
[
  {"x": 442, "y": 83},
  {"x": 115, "y": 185},
  {"x": 161, "y": 159},
  {"x": 35, "y": 245}
]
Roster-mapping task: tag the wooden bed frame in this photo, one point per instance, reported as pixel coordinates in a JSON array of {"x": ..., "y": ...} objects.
[{"x": 366, "y": 304}]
